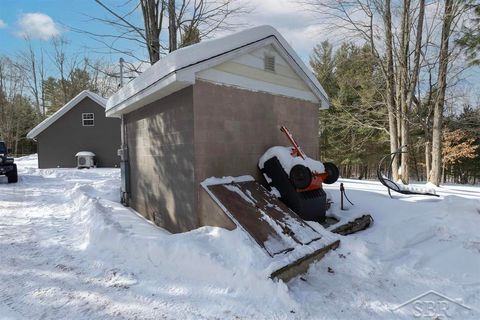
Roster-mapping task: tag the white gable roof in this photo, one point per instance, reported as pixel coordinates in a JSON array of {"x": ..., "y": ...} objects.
[
  {"x": 177, "y": 70},
  {"x": 60, "y": 112}
]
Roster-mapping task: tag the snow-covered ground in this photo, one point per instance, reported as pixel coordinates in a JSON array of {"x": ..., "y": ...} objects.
[{"x": 69, "y": 250}]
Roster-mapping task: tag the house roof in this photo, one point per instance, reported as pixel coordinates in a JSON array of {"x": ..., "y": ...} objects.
[
  {"x": 60, "y": 112},
  {"x": 177, "y": 70}
]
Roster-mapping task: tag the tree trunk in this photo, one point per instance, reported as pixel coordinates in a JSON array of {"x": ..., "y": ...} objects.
[
  {"x": 403, "y": 83},
  {"x": 172, "y": 26},
  {"x": 428, "y": 159},
  {"x": 415, "y": 165},
  {"x": 152, "y": 18},
  {"x": 391, "y": 107},
  {"x": 34, "y": 80},
  {"x": 440, "y": 100}
]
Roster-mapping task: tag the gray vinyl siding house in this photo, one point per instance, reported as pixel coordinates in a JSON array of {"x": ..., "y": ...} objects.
[
  {"x": 81, "y": 125},
  {"x": 219, "y": 112}
]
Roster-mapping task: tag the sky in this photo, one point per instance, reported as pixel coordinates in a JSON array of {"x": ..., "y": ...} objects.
[{"x": 41, "y": 20}]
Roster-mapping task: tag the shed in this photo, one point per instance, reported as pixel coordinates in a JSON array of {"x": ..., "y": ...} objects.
[
  {"x": 80, "y": 125},
  {"x": 211, "y": 109}
]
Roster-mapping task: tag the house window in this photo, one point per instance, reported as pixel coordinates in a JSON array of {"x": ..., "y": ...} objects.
[
  {"x": 88, "y": 119},
  {"x": 269, "y": 62}
]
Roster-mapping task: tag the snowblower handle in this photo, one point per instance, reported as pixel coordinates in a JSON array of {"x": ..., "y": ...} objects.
[{"x": 296, "y": 149}]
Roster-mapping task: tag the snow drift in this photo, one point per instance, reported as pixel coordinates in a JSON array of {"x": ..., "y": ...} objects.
[{"x": 70, "y": 250}]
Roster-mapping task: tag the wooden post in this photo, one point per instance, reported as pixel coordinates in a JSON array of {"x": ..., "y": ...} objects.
[{"x": 342, "y": 190}]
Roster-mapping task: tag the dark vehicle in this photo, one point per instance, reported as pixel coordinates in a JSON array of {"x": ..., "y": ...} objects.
[{"x": 7, "y": 167}]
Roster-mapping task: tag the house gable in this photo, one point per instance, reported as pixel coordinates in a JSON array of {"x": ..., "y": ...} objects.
[
  {"x": 263, "y": 69},
  {"x": 70, "y": 123},
  {"x": 100, "y": 101}
]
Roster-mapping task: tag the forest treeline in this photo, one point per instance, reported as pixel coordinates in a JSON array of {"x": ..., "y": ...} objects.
[
  {"x": 30, "y": 92},
  {"x": 354, "y": 130},
  {"x": 399, "y": 86},
  {"x": 395, "y": 80}
]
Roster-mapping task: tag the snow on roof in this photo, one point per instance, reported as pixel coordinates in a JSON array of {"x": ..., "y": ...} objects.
[
  {"x": 85, "y": 154},
  {"x": 284, "y": 155},
  {"x": 177, "y": 70},
  {"x": 60, "y": 112}
]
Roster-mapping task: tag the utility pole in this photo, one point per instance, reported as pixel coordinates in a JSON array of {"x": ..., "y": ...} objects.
[
  {"x": 121, "y": 72},
  {"x": 123, "y": 153}
]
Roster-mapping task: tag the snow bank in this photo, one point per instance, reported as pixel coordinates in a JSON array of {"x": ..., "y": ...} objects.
[
  {"x": 198, "y": 274},
  {"x": 284, "y": 155},
  {"x": 71, "y": 251},
  {"x": 208, "y": 257}
]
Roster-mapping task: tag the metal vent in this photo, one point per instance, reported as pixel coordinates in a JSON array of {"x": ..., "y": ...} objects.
[{"x": 269, "y": 63}]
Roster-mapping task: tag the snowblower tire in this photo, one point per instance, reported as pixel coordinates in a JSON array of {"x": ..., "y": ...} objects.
[
  {"x": 300, "y": 176},
  {"x": 333, "y": 172}
]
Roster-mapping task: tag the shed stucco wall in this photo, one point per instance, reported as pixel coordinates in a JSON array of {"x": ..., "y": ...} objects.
[
  {"x": 58, "y": 144},
  {"x": 161, "y": 155},
  {"x": 201, "y": 131},
  {"x": 234, "y": 127}
]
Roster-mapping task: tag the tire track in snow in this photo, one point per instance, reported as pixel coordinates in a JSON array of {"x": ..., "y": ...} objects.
[{"x": 38, "y": 265}]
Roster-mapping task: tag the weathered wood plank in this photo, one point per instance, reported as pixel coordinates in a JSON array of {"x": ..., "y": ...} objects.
[
  {"x": 248, "y": 217},
  {"x": 272, "y": 225},
  {"x": 301, "y": 265},
  {"x": 356, "y": 225},
  {"x": 291, "y": 224}
]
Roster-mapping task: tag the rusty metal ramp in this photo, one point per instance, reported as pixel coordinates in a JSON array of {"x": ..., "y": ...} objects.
[{"x": 283, "y": 235}]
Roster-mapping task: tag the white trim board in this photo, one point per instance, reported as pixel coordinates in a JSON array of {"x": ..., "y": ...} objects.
[
  {"x": 63, "y": 110},
  {"x": 224, "y": 78}
]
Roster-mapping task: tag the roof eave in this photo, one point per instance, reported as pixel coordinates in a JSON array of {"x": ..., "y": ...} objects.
[{"x": 172, "y": 83}]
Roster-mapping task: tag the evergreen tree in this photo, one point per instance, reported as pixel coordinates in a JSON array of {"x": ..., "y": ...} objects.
[
  {"x": 78, "y": 80},
  {"x": 353, "y": 130},
  {"x": 471, "y": 38}
]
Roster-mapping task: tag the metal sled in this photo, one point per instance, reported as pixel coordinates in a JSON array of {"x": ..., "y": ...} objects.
[{"x": 387, "y": 180}]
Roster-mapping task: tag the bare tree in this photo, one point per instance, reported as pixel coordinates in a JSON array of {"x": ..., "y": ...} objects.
[
  {"x": 362, "y": 20},
  {"x": 59, "y": 60},
  {"x": 448, "y": 16},
  {"x": 172, "y": 26},
  {"x": 153, "y": 20},
  {"x": 34, "y": 70},
  {"x": 16, "y": 113},
  {"x": 103, "y": 77},
  {"x": 403, "y": 69},
  {"x": 192, "y": 17},
  {"x": 390, "y": 80},
  {"x": 401, "y": 44}
]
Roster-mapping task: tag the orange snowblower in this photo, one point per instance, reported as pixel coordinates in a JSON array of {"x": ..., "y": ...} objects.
[
  {"x": 301, "y": 175},
  {"x": 298, "y": 178}
]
